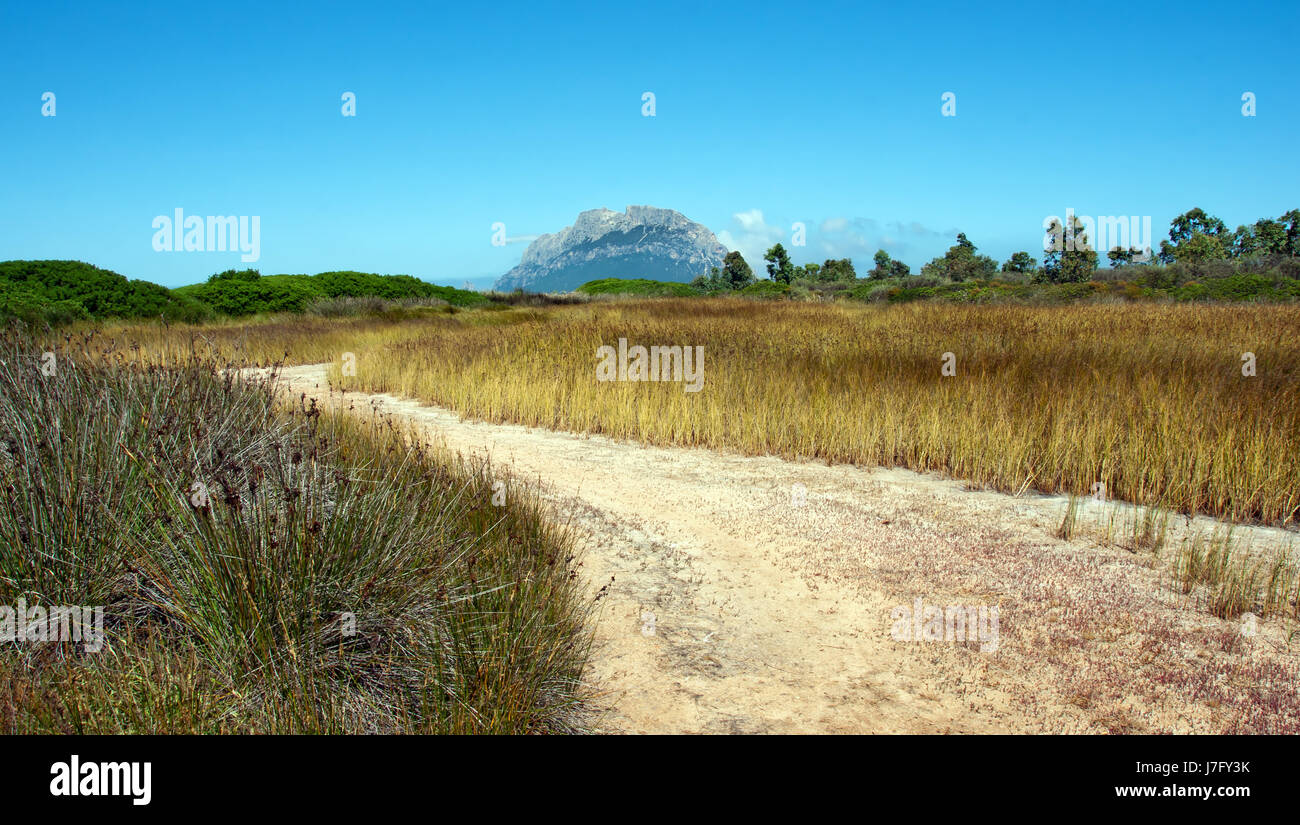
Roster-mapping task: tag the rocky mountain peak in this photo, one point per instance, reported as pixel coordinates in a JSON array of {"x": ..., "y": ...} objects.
[{"x": 643, "y": 242}]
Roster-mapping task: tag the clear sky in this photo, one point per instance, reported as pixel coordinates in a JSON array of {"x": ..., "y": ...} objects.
[{"x": 765, "y": 114}]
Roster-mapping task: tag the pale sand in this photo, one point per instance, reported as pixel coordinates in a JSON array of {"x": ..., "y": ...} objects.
[{"x": 772, "y": 617}]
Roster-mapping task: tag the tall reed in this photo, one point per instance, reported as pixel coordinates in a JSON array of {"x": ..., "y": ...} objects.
[{"x": 1147, "y": 399}]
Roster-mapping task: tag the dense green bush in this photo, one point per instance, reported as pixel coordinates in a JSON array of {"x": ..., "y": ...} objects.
[
  {"x": 1239, "y": 287},
  {"x": 60, "y": 291},
  {"x": 248, "y": 292},
  {"x": 56, "y": 292},
  {"x": 765, "y": 289}
]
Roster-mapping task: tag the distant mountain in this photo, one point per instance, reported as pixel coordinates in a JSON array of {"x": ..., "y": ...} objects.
[{"x": 644, "y": 242}]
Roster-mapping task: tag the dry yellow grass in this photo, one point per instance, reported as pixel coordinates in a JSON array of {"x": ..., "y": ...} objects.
[
  {"x": 291, "y": 339},
  {"x": 1147, "y": 399}
]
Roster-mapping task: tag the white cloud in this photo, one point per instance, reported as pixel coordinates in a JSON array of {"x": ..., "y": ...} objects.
[
  {"x": 859, "y": 238},
  {"x": 753, "y": 237},
  {"x": 751, "y": 221}
]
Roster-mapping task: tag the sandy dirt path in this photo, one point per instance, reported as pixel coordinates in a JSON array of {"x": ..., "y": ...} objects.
[{"x": 754, "y": 595}]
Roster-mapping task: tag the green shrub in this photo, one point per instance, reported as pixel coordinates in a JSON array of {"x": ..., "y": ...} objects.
[
  {"x": 248, "y": 293},
  {"x": 765, "y": 289},
  {"x": 266, "y": 568},
  {"x": 1191, "y": 291},
  {"x": 60, "y": 291},
  {"x": 1241, "y": 287}
]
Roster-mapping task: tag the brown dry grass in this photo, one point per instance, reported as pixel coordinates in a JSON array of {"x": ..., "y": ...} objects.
[{"x": 1148, "y": 400}]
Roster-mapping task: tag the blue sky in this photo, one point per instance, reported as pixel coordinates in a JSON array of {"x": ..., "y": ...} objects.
[{"x": 766, "y": 114}]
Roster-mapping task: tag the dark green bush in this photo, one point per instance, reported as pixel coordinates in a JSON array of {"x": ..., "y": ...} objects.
[
  {"x": 247, "y": 293},
  {"x": 61, "y": 291},
  {"x": 765, "y": 289}
]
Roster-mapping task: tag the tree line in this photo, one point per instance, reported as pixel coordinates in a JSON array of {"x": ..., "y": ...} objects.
[{"x": 1195, "y": 237}]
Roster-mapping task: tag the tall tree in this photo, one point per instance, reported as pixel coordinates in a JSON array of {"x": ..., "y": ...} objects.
[
  {"x": 1265, "y": 236},
  {"x": 779, "y": 268},
  {"x": 1020, "y": 263},
  {"x": 736, "y": 273},
  {"x": 1071, "y": 258},
  {"x": 883, "y": 267},
  {"x": 1186, "y": 226},
  {"x": 961, "y": 262},
  {"x": 1200, "y": 247},
  {"x": 838, "y": 270},
  {"x": 1292, "y": 222}
]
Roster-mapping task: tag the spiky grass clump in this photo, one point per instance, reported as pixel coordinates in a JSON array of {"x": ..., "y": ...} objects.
[{"x": 266, "y": 569}]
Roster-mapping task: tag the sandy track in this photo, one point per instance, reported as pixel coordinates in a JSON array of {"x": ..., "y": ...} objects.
[{"x": 735, "y": 609}]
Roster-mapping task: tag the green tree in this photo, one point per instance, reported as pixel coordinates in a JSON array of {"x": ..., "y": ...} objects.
[
  {"x": 779, "y": 268},
  {"x": 1186, "y": 226},
  {"x": 1200, "y": 247},
  {"x": 736, "y": 273},
  {"x": 883, "y": 267},
  {"x": 961, "y": 262},
  {"x": 1070, "y": 258},
  {"x": 1194, "y": 222},
  {"x": 1265, "y": 236},
  {"x": 710, "y": 282},
  {"x": 887, "y": 267},
  {"x": 838, "y": 270},
  {"x": 1020, "y": 263},
  {"x": 1292, "y": 222}
]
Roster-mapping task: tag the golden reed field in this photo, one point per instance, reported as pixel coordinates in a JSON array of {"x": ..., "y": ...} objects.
[{"x": 1149, "y": 400}]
